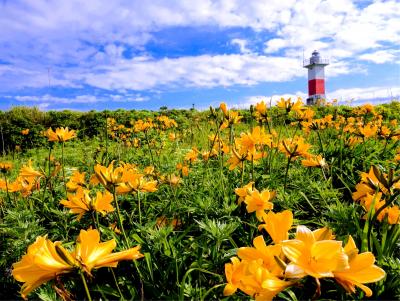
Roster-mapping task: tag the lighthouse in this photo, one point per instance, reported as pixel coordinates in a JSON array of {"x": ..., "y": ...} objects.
[{"x": 316, "y": 77}]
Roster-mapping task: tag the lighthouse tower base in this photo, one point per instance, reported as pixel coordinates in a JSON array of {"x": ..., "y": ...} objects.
[{"x": 313, "y": 99}]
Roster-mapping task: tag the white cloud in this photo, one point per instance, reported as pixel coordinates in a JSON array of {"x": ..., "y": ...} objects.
[
  {"x": 242, "y": 45},
  {"x": 79, "y": 99},
  {"x": 380, "y": 57},
  {"x": 370, "y": 93},
  {"x": 49, "y": 99},
  {"x": 198, "y": 71}
]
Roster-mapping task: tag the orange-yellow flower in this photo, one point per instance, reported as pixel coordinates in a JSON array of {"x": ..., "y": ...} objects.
[
  {"x": 109, "y": 176},
  {"x": 81, "y": 202},
  {"x": 230, "y": 117},
  {"x": 253, "y": 279},
  {"x": 5, "y": 166},
  {"x": 361, "y": 192},
  {"x": 137, "y": 182},
  {"x": 192, "y": 155},
  {"x": 309, "y": 256},
  {"x": 294, "y": 147},
  {"x": 261, "y": 108},
  {"x": 23, "y": 185},
  {"x": 76, "y": 181},
  {"x": 27, "y": 171},
  {"x": 393, "y": 214},
  {"x": 235, "y": 159},
  {"x": 249, "y": 141},
  {"x": 277, "y": 225},
  {"x": 244, "y": 191},
  {"x": 183, "y": 168},
  {"x": 288, "y": 105},
  {"x": 361, "y": 270},
  {"x": 61, "y": 134},
  {"x": 46, "y": 260},
  {"x": 25, "y": 132},
  {"x": 314, "y": 161},
  {"x": 265, "y": 253},
  {"x": 234, "y": 272},
  {"x": 93, "y": 254},
  {"x": 259, "y": 202},
  {"x": 41, "y": 263},
  {"x": 369, "y": 130}
]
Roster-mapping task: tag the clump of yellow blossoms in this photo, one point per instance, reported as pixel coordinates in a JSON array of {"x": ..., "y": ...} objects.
[
  {"x": 265, "y": 270},
  {"x": 46, "y": 260},
  {"x": 374, "y": 193}
]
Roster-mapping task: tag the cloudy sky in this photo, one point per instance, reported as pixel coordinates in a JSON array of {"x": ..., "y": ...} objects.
[{"x": 134, "y": 54}]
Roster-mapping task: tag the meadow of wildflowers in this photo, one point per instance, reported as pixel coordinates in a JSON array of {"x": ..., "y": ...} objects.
[{"x": 289, "y": 202}]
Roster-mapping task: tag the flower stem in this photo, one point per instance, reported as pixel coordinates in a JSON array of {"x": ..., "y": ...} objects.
[
  {"x": 116, "y": 283},
  {"x": 139, "y": 207},
  {"x": 242, "y": 174},
  {"x": 119, "y": 217},
  {"x": 286, "y": 173},
  {"x": 63, "y": 167},
  {"x": 8, "y": 193},
  {"x": 86, "y": 286}
]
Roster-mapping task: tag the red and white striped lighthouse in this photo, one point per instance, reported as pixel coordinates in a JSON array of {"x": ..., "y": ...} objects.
[{"x": 316, "y": 77}]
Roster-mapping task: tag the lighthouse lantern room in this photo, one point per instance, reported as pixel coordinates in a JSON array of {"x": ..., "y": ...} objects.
[{"x": 316, "y": 77}]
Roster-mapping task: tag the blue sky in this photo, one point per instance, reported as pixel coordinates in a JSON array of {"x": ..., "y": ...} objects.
[{"x": 102, "y": 54}]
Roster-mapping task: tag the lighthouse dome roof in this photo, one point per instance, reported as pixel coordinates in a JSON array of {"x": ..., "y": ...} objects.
[{"x": 315, "y": 53}]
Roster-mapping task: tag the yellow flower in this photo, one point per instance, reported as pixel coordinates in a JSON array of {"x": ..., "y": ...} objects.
[
  {"x": 230, "y": 117},
  {"x": 384, "y": 131},
  {"x": 265, "y": 253},
  {"x": 109, "y": 176},
  {"x": 259, "y": 202},
  {"x": 369, "y": 130},
  {"x": 76, "y": 181},
  {"x": 60, "y": 135},
  {"x": 5, "y": 166},
  {"x": 183, "y": 168},
  {"x": 393, "y": 214},
  {"x": 174, "y": 180},
  {"x": 306, "y": 114},
  {"x": 314, "y": 161},
  {"x": 137, "y": 182},
  {"x": 294, "y": 147},
  {"x": 234, "y": 272},
  {"x": 244, "y": 191},
  {"x": 277, "y": 225},
  {"x": 27, "y": 171},
  {"x": 249, "y": 141},
  {"x": 93, "y": 254},
  {"x": 361, "y": 192},
  {"x": 46, "y": 260},
  {"x": 81, "y": 202},
  {"x": 265, "y": 284},
  {"x": 288, "y": 105},
  {"x": 43, "y": 261},
  {"x": 192, "y": 155},
  {"x": 361, "y": 270},
  {"x": 261, "y": 108},
  {"x": 376, "y": 200},
  {"x": 235, "y": 159},
  {"x": 309, "y": 256},
  {"x": 23, "y": 185},
  {"x": 223, "y": 108},
  {"x": 25, "y": 132}
]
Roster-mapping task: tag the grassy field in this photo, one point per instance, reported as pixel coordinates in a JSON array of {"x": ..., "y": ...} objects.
[{"x": 289, "y": 202}]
